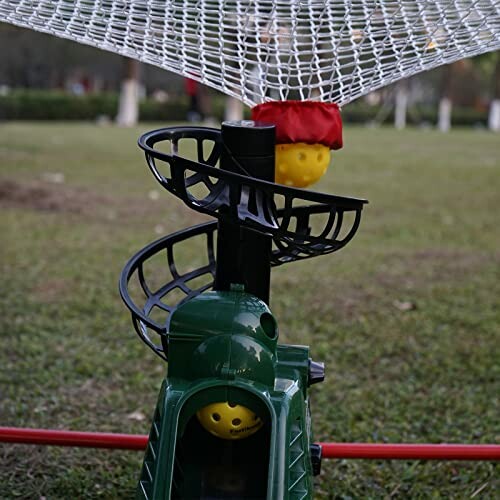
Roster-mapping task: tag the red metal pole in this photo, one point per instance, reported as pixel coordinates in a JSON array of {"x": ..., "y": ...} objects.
[
  {"x": 379, "y": 451},
  {"x": 383, "y": 451},
  {"x": 73, "y": 438}
]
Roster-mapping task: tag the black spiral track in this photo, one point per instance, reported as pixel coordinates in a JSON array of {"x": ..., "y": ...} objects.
[{"x": 302, "y": 224}]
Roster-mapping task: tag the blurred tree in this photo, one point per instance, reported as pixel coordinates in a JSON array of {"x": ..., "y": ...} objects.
[
  {"x": 128, "y": 106},
  {"x": 494, "y": 114},
  {"x": 401, "y": 105},
  {"x": 484, "y": 86},
  {"x": 461, "y": 84},
  {"x": 445, "y": 102},
  {"x": 36, "y": 60}
]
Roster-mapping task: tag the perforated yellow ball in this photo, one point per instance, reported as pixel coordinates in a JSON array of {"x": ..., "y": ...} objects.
[
  {"x": 301, "y": 164},
  {"x": 229, "y": 421}
]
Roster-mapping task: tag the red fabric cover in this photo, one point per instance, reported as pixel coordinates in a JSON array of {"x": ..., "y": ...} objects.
[
  {"x": 302, "y": 121},
  {"x": 191, "y": 86}
]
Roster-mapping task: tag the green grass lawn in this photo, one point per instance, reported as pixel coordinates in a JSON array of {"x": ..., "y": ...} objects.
[{"x": 406, "y": 317}]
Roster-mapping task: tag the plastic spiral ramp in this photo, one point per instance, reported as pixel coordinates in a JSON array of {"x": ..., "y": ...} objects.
[{"x": 262, "y": 206}]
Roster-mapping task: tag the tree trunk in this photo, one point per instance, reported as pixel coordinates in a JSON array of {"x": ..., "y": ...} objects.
[
  {"x": 401, "y": 105},
  {"x": 494, "y": 114},
  {"x": 234, "y": 109},
  {"x": 128, "y": 107},
  {"x": 444, "y": 119},
  {"x": 445, "y": 104}
]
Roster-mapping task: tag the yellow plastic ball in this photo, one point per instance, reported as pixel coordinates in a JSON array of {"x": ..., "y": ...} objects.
[
  {"x": 301, "y": 164},
  {"x": 229, "y": 421}
]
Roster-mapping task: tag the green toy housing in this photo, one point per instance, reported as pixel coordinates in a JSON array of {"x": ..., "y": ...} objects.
[{"x": 223, "y": 347}]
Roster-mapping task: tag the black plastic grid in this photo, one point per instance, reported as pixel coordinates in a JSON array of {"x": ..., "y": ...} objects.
[
  {"x": 267, "y": 207},
  {"x": 156, "y": 297},
  {"x": 237, "y": 198}
]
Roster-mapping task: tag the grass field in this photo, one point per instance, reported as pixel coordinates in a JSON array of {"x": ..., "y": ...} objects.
[{"x": 406, "y": 317}]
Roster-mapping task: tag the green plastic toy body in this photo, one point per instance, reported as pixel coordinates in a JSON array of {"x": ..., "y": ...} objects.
[
  {"x": 232, "y": 419},
  {"x": 223, "y": 347}
]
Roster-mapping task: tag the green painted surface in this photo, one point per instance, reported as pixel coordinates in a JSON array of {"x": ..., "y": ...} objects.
[{"x": 223, "y": 347}]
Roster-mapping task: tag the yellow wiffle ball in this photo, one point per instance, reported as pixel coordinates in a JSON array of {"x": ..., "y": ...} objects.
[
  {"x": 229, "y": 421},
  {"x": 301, "y": 164}
]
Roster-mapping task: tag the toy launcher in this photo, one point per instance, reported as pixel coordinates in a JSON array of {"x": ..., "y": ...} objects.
[{"x": 233, "y": 418}]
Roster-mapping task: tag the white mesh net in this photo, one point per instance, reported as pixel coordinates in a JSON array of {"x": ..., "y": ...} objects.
[{"x": 261, "y": 50}]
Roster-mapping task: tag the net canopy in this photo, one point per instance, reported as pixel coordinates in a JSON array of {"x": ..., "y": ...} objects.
[{"x": 262, "y": 50}]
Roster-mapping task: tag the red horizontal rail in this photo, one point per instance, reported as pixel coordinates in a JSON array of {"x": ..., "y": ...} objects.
[
  {"x": 379, "y": 451},
  {"x": 385, "y": 451},
  {"x": 73, "y": 438}
]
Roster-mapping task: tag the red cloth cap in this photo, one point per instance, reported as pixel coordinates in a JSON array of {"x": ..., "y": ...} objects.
[{"x": 311, "y": 122}]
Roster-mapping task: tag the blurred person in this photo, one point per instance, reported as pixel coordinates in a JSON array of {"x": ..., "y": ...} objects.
[{"x": 191, "y": 87}]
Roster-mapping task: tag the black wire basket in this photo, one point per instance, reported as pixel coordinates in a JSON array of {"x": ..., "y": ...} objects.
[
  {"x": 302, "y": 224},
  {"x": 151, "y": 304}
]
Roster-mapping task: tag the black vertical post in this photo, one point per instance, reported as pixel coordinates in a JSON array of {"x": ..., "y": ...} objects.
[{"x": 243, "y": 255}]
